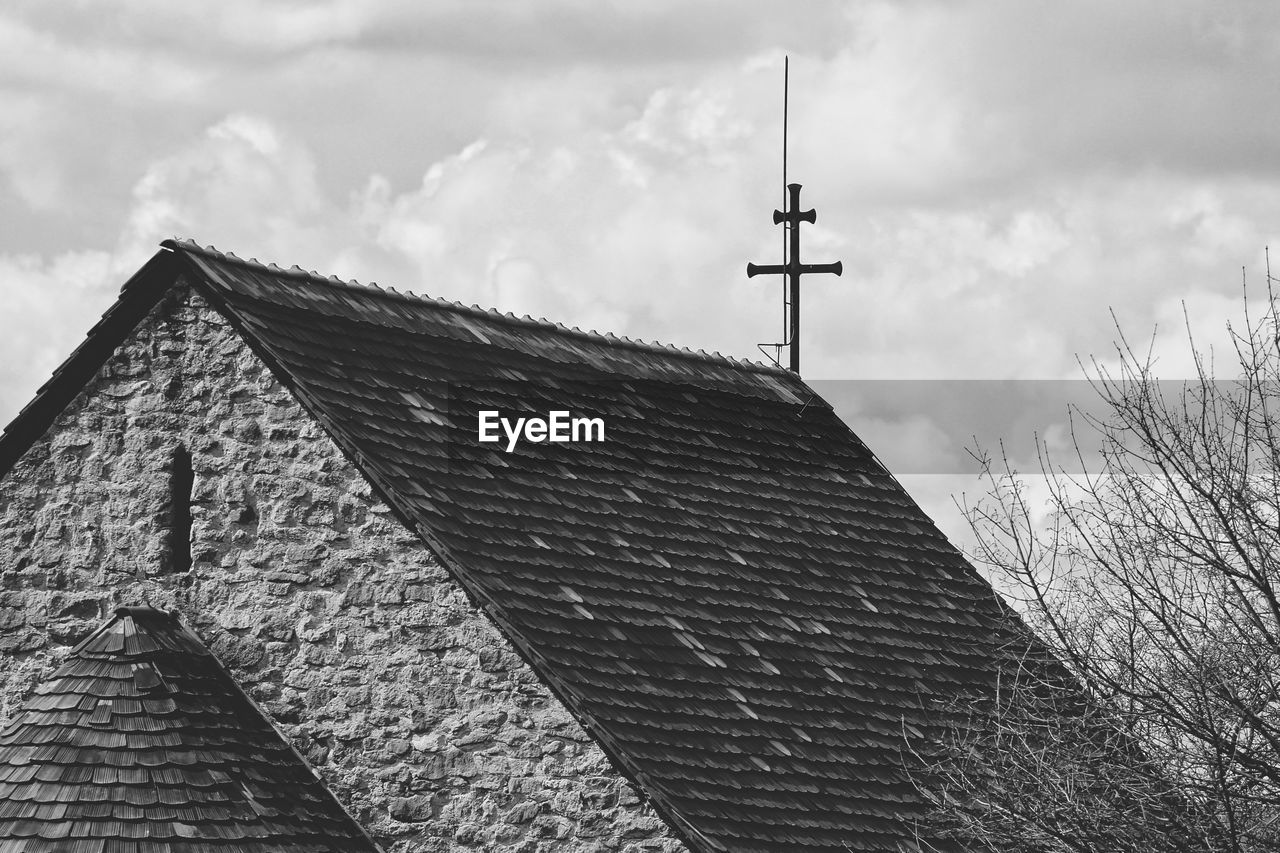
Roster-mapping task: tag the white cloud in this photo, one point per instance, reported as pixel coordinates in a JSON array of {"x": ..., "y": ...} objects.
[
  {"x": 242, "y": 186},
  {"x": 49, "y": 305}
]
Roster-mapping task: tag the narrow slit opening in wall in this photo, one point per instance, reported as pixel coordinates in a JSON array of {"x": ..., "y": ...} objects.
[{"x": 182, "y": 479}]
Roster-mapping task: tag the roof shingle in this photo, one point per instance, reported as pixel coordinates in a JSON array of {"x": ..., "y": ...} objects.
[{"x": 142, "y": 735}]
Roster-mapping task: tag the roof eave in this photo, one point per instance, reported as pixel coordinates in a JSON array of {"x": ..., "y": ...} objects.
[{"x": 137, "y": 297}]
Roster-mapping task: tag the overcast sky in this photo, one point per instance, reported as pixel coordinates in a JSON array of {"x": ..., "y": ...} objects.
[{"x": 996, "y": 177}]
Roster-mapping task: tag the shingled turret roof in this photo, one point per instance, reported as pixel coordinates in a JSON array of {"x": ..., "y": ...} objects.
[
  {"x": 141, "y": 741},
  {"x": 739, "y": 603}
]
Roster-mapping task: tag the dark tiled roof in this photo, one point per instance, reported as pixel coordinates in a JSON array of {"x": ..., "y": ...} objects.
[
  {"x": 141, "y": 741},
  {"x": 735, "y": 598}
]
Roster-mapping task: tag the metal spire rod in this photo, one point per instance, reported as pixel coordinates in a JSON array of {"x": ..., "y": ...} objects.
[
  {"x": 790, "y": 218},
  {"x": 786, "y": 299}
]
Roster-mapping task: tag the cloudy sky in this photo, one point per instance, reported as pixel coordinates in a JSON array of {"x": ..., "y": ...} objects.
[{"x": 997, "y": 177}]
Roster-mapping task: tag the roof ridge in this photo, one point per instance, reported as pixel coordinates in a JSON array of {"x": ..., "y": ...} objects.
[{"x": 492, "y": 314}]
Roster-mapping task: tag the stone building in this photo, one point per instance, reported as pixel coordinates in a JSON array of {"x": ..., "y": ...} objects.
[{"x": 721, "y": 628}]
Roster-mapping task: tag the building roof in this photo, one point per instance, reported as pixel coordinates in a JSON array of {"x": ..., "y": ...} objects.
[
  {"x": 734, "y": 597},
  {"x": 141, "y": 741}
]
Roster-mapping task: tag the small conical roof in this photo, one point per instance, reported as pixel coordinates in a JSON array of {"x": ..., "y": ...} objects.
[{"x": 142, "y": 743}]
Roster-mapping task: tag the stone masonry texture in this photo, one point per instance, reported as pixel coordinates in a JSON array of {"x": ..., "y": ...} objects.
[{"x": 338, "y": 621}]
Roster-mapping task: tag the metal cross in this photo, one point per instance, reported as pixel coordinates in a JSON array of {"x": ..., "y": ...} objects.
[{"x": 793, "y": 269}]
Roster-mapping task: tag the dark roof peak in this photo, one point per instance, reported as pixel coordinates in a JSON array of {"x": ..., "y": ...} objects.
[
  {"x": 146, "y": 611},
  {"x": 489, "y": 314},
  {"x": 138, "y": 631}
]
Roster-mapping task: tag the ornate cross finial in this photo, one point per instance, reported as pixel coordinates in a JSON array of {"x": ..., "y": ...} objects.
[{"x": 793, "y": 269}]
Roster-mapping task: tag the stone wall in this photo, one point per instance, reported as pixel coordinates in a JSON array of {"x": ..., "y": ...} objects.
[{"x": 341, "y": 624}]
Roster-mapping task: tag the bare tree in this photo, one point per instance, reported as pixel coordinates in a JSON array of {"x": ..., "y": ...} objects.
[{"x": 1144, "y": 715}]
